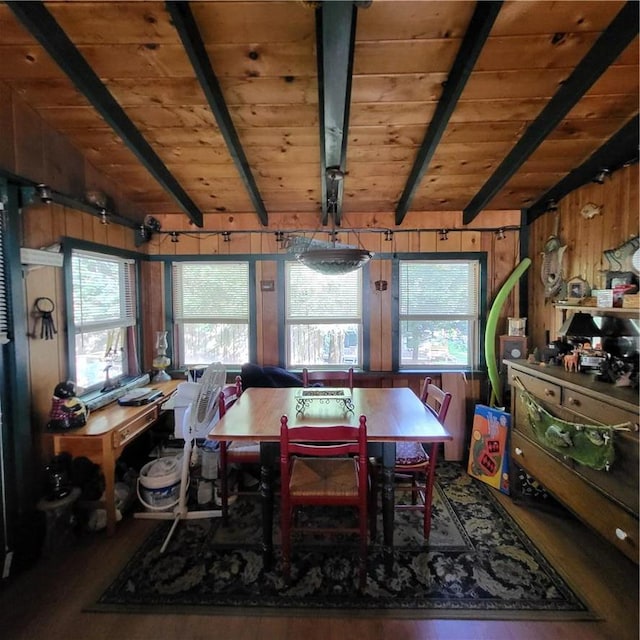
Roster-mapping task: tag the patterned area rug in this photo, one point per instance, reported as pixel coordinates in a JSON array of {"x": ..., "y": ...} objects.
[{"x": 478, "y": 564}]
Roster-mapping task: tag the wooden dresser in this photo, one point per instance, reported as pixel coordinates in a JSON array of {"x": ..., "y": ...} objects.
[{"x": 605, "y": 500}]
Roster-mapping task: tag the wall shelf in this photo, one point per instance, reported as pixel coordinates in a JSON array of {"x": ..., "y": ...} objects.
[{"x": 600, "y": 310}]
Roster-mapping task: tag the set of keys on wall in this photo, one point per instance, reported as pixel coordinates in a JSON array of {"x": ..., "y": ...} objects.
[{"x": 45, "y": 307}]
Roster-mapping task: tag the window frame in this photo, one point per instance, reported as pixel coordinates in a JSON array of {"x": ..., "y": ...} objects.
[
  {"x": 363, "y": 323},
  {"x": 481, "y": 259},
  {"x": 134, "y": 334}
]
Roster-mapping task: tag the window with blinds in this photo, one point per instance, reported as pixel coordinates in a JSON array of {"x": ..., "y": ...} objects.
[
  {"x": 211, "y": 308},
  {"x": 323, "y": 318},
  {"x": 439, "y": 313},
  {"x": 104, "y": 317}
]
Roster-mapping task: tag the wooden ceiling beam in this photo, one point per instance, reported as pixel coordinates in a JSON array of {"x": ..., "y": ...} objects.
[
  {"x": 620, "y": 150},
  {"x": 189, "y": 33},
  {"x": 611, "y": 43},
  {"x": 335, "y": 44},
  {"x": 43, "y": 26},
  {"x": 476, "y": 35}
]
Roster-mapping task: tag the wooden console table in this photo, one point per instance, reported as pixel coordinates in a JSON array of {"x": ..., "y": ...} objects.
[
  {"x": 107, "y": 432},
  {"x": 605, "y": 500}
]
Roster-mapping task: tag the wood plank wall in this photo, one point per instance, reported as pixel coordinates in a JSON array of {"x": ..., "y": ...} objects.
[{"x": 585, "y": 239}]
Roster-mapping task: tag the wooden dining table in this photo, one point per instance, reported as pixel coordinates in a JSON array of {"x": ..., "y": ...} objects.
[{"x": 393, "y": 414}]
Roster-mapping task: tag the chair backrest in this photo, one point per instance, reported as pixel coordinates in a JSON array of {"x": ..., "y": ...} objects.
[
  {"x": 435, "y": 399},
  {"x": 228, "y": 395},
  {"x": 328, "y": 377}
]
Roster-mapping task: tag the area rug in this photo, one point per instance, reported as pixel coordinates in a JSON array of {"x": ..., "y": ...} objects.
[{"x": 478, "y": 563}]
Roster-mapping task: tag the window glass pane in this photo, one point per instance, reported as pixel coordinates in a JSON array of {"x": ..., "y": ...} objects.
[
  {"x": 213, "y": 342},
  {"x": 435, "y": 342},
  {"x": 93, "y": 356},
  {"x": 323, "y": 318},
  {"x": 211, "y": 310}
]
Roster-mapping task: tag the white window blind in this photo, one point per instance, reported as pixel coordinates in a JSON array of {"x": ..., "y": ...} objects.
[
  {"x": 439, "y": 288},
  {"x": 103, "y": 291},
  {"x": 206, "y": 291},
  {"x": 322, "y": 297}
]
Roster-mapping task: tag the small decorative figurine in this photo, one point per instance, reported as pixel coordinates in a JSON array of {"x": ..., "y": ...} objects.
[{"x": 67, "y": 411}]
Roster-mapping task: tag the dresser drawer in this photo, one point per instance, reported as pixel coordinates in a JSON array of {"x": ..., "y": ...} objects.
[
  {"x": 130, "y": 430},
  {"x": 609, "y": 519},
  {"x": 595, "y": 410},
  {"x": 548, "y": 392}
]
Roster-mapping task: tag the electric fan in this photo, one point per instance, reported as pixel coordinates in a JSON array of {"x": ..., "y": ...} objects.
[{"x": 198, "y": 418}]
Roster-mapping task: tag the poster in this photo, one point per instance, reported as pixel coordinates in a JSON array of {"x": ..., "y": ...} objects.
[{"x": 489, "y": 454}]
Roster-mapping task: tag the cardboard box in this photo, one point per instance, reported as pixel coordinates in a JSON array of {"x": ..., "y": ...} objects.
[{"x": 489, "y": 451}]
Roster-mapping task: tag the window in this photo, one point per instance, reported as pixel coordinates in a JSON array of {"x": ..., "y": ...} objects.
[
  {"x": 211, "y": 312},
  {"x": 323, "y": 318},
  {"x": 104, "y": 317},
  {"x": 438, "y": 313}
]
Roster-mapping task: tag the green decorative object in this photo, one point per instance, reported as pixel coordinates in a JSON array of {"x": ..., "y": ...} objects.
[{"x": 490, "y": 331}]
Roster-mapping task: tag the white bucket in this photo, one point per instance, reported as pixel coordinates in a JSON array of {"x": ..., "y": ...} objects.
[{"x": 159, "y": 483}]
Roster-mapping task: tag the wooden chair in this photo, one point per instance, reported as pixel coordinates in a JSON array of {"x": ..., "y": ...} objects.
[
  {"x": 417, "y": 461},
  {"x": 328, "y": 378},
  {"x": 234, "y": 452},
  {"x": 324, "y": 466}
]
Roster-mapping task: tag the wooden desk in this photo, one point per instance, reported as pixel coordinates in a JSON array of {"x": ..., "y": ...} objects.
[
  {"x": 392, "y": 415},
  {"x": 106, "y": 434}
]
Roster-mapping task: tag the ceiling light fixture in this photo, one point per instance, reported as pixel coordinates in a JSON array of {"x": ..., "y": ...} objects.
[
  {"x": 500, "y": 234},
  {"x": 103, "y": 217},
  {"x": 444, "y": 234},
  {"x": 174, "y": 236},
  {"x": 226, "y": 236},
  {"x": 388, "y": 235}
]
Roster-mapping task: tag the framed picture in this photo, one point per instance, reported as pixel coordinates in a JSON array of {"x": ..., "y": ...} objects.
[
  {"x": 577, "y": 288},
  {"x": 616, "y": 278}
]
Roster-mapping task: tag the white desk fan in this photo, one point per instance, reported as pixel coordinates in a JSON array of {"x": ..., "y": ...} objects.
[{"x": 198, "y": 418}]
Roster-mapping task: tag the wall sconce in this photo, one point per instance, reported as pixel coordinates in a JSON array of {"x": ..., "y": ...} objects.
[
  {"x": 388, "y": 235},
  {"x": 103, "y": 217},
  {"x": 500, "y": 234},
  {"x": 600, "y": 177},
  {"x": 444, "y": 234},
  {"x": 333, "y": 235},
  {"x": 279, "y": 237},
  {"x": 380, "y": 285},
  {"x": 226, "y": 236},
  {"x": 44, "y": 193},
  {"x": 174, "y": 236}
]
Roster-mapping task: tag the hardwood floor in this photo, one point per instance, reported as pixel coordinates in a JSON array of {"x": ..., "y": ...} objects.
[{"x": 46, "y": 601}]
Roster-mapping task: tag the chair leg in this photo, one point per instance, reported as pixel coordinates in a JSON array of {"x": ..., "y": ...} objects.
[
  {"x": 363, "y": 550},
  {"x": 224, "y": 483},
  {"x": 285, "y": 534},
  {"x": 428, "y": 491}
]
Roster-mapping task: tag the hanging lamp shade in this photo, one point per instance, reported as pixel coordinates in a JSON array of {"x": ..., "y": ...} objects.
[
  {"x": 580, "y": 325},
  {"x": 334, "y": 261}
]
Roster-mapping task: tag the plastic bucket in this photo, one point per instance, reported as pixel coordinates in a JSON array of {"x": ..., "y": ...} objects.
[{"x": 159, "y": 483}]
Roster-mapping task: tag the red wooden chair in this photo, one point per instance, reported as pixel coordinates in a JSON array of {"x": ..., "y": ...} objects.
[
  {"x": 234, "y": 452},
  {"x": 417, "y": 461},
  {"x": 325, "y": 465},
  {"x": 328, "y": 378}
]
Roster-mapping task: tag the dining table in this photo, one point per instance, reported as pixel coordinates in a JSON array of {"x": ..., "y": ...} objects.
[{"x": 393, "y": 415}]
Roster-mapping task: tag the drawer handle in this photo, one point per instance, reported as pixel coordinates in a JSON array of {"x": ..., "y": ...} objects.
[
  {"x": 549, "y": 393},
  {"x": 573, "y": 402},
  {"x": 518, "y": 451},
  {"x": 621, "y": 535}
]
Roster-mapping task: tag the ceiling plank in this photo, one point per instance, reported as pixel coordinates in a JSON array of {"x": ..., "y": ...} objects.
[
  {"x": 614, "y": 39},
  {"x": 43, "y": 26},
  {"x": 619, "y": 150},
  {"x": 479, "y": 28},
  {"x": 335, "y": 43},
  {"x": 191, "y": 39}
]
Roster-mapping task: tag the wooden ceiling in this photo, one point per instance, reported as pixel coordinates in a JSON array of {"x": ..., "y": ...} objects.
[{"x": 232, "y": 107}]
